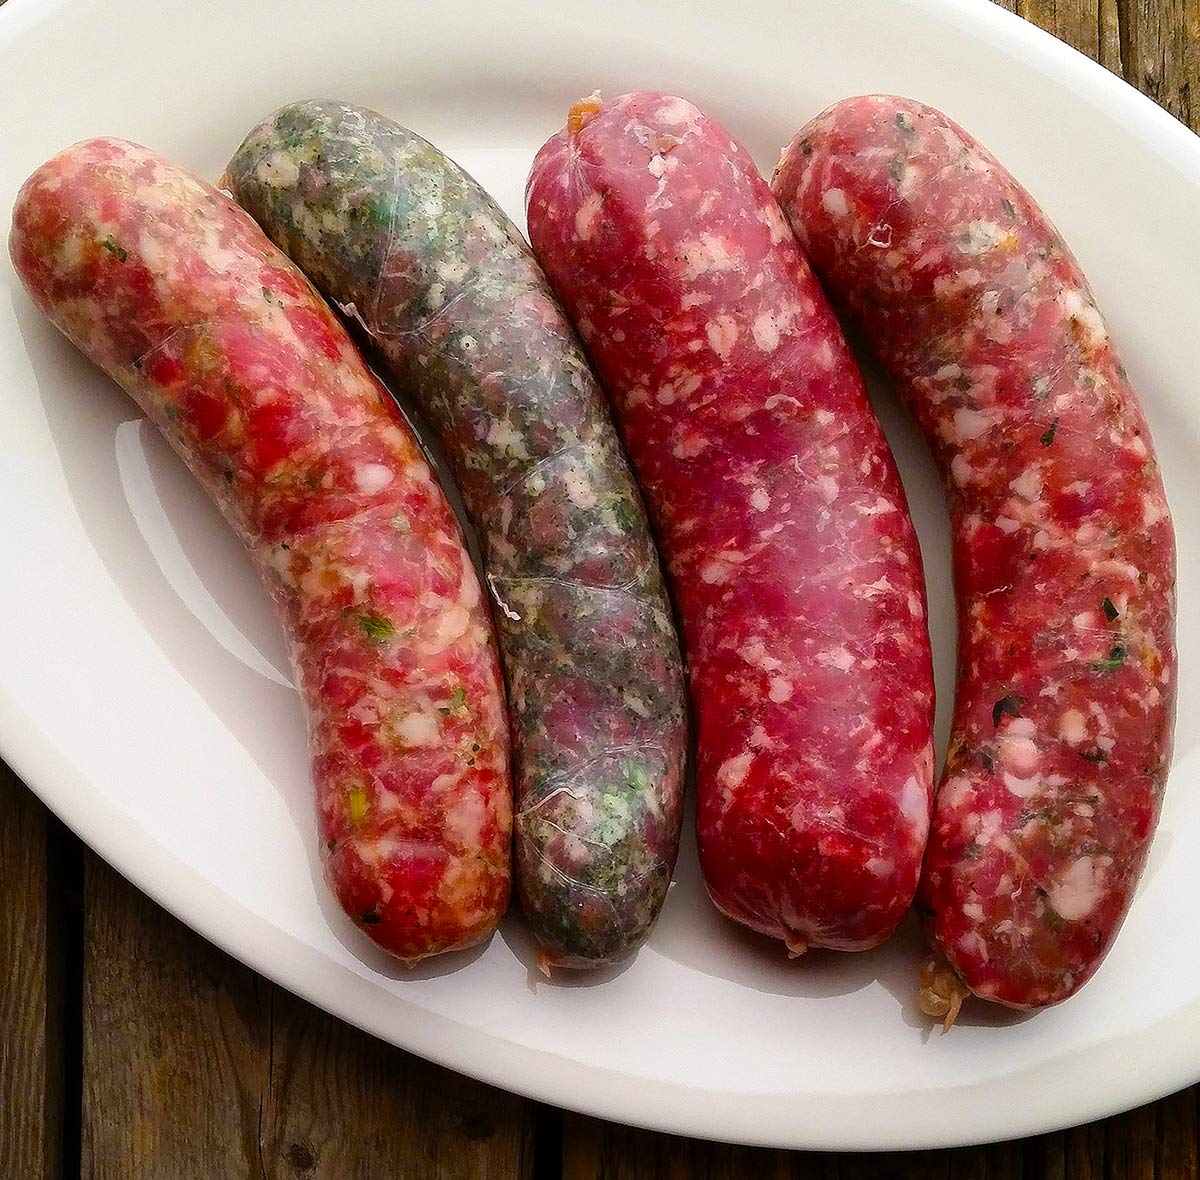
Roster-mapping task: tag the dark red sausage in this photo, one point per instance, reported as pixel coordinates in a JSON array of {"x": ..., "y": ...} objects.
[
  {"x": 1064, "y": 556},
  {"x": 792, "y": 556}
]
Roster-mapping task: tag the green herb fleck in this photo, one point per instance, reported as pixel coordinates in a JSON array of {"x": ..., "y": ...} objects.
[
  {"x": 896, "y": 169},
  {"x": 1110, "y": 612},
  {"x": 624, "y": 512},
  {"x": 379, "y": 212},
  {"x": 972, "y": 851},
  {"x": 902, "y": 121},
  {"x": 1008, "y": 207},
  {"x": 370, "y": 917},
  {"x": 806, "y": 148},
  {"x": 331, "y": 845},
  {"x": 458, "y": 700},
  {"x": 400, "y": 523},
  {"x": 376, "y": 628},
  {"x": 227, "y": 476},
  {"x": 1049, "y": 433},
  {"x": 1115, "y": 659},
  {"x": 637, "y": 775},
  {"x": 1007, "y": 706},
  {"x": 1045, "y": 814},
  {"x": 118, "y": 251},
  {"x": 1093, "y": 755},
  {"x": 271, "y": 297}
]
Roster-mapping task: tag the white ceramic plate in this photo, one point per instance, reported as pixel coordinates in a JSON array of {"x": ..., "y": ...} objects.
[{"x": 144, "y": 692}]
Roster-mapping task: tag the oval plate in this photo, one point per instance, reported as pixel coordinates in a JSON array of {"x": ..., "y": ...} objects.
[{"x": 144, "y": 692}]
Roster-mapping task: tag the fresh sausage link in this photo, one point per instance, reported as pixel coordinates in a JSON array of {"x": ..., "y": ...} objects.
[
  {"x": 1064, "y": 556},
  {"x": 398, "y": 234},
  {"x": 787, "y": 536},
  {"x": 172, "y": 290}
]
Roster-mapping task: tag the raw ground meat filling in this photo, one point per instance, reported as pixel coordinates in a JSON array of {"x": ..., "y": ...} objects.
[
  {"x": 173, "y": 291},
  {"x": 781, "y": 515},
  {"x": 390, "y": 228},
  {"x": 1064, "y": 555}
]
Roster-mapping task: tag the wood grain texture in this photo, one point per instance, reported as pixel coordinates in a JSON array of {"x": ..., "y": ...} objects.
[
  {"x": 31, "y": 1094},
  {"x": 1155, "y": 1142},
  {"x": 174, "y": 1044},
  {"x": 1160, "y": 53},
  {"x": 1077, "y": 22},
  {"x": 1152, "y": 44},
  {"x": 342, "y": 1104},
  {"x": 194, "y": 1066},
  {"x": 594, "y": 1150}
]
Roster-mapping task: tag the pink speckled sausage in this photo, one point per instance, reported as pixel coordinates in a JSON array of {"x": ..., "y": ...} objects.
[
  {"x": 176, "y": 294},
  {"x": 792, "y": 556},
  {"x": 1064, "y": 554}
]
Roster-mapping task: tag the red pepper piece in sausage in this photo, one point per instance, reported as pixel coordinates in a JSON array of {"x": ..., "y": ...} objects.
[
  {"x": 171, "y": 289},
  {"x": 1064, "y": 556},
  {"x": 785, "y": 529}
]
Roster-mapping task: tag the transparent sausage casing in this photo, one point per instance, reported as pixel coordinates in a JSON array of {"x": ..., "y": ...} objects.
[
  {"x": 1064, "y": 556},
  {"x": 172, "y": 290},
  {"x": 398, "y": 234},
  {"x": 792, "y": 556}
]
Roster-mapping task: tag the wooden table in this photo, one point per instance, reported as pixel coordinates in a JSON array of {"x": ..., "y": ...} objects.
[{"x": 131, "y": 1049}]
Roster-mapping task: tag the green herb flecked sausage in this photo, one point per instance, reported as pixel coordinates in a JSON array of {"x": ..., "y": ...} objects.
[{"x": 408, "y": 243}]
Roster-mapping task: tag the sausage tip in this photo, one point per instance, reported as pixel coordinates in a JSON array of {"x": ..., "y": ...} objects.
[
  {"x": 940, "y": 992},
  {"x": 797, "y": 944},
  {"x": 582, "y": 112}
]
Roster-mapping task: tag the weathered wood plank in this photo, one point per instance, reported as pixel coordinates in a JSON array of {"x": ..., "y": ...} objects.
[
  {"x": 1077, "y": 22},
  {"x": 596, "y": 1150},
  {"x": 342, "y": 1104},
  {"x": 196, "y": 1066},
  {"x": 175, "y": 1055},
  {"x": 1160, "y": 52},
  {"x": 1129, "y": 1139},
  {"x": 1155, "y": 1142},
  {"x": 31, "y": 1084},
  {"x": 1178, "y": 1139}
]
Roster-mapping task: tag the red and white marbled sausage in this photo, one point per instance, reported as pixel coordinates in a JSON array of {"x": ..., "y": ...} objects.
[
  {"x": 792, "y": 556},
  {"x": 1063, "y": 550},
  {"x": 171, "y": 289}
]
